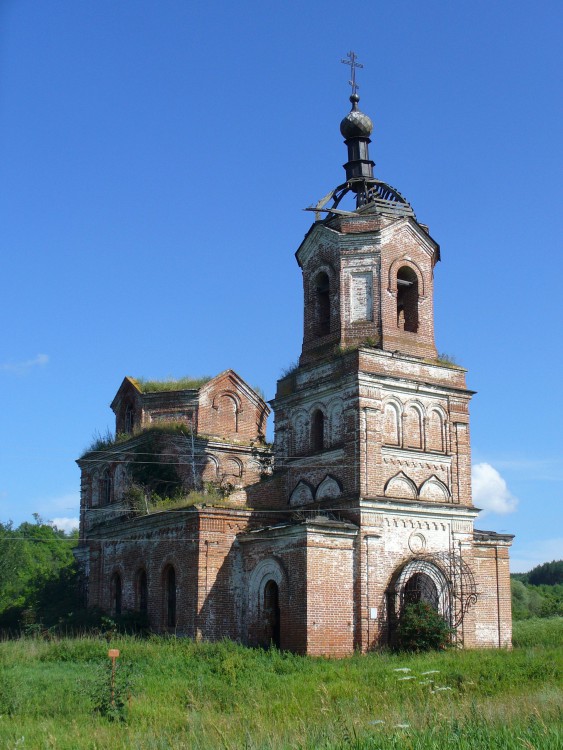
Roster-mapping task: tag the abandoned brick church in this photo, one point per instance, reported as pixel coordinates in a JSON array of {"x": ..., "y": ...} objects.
[{"x": 364, "y": 503}]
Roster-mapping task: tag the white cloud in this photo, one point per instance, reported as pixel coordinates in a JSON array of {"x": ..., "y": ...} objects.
[
  {"x": 21, "y": 368},
  {"x": 64, "y": 506},
  {"x": 65, "y": 524},
  {"x": 490, "y": 491}
]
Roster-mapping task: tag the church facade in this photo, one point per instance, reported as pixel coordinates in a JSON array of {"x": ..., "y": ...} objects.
[{"x": 364, "y": 503}]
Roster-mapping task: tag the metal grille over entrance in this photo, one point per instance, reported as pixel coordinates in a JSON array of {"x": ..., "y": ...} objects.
[{"x": 443, "y": 580}]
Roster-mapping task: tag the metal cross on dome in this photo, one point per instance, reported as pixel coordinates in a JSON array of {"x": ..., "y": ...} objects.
[{"x": 352, "y": 61}]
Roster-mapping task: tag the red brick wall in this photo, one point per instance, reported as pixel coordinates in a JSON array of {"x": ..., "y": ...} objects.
[{"x": 227, "y": 410}]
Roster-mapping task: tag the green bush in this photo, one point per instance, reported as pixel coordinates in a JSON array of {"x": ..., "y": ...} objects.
[
  {"x": 110, "y": 689},
  {"x": 421, "y": 628}
]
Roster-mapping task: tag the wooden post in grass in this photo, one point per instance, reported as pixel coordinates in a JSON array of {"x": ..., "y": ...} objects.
[{"x": 113, "y": 653}]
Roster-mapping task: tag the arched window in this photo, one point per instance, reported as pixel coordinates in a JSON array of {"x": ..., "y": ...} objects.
[
  {"x": 413, "y": 428},
  {"x": 95, "y": 489},
  {"x": 322, "y": 303},
  {"x": 170, "y": 586},
  {"x": 391, "y": 425},
  {"x": 227, "y": 413},
  {"x": 318, "y": 431},
  {"x": 129, "y": 419},
  {"x": 105, "y": 487},
  {"x": 116, "y": 594},
  {"x": 142, "y": 591},
  {"x": 407, "y": 300},
  {"x": 436, "y": 432}
]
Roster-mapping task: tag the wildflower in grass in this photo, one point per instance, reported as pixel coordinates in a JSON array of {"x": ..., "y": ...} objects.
[
  {"x": 442, "y": 688},
  {"x": 401, "y": 726},
  {"x": 408, "y": 677},
  {"x": 402, "y": 669},
  {"x": 431, "y": 671},
  {"x": 377, "y": 721}
]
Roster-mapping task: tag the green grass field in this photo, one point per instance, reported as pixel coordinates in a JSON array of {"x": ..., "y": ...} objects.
[{"x": 187, "y": 695}]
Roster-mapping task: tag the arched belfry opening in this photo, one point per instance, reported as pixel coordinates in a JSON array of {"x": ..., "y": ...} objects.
[
  {"x": 407, "y": 300},
  {"x": 272, "y": 613},
  {"x": 322, "y": 303}
]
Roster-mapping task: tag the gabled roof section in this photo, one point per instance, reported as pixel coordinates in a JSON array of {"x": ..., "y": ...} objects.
[
  {"x": 229, "y": 379},
  {"x": 320, "y": 232},
  {"x": 418, "y": 231},
  {"x": 316, "y": 230},
  {"x": 128, "y": 386},
  {"x": 137, "y": 387}
]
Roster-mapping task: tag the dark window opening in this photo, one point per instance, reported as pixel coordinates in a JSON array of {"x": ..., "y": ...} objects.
[
  {"x": 272, "y": 614},
  {"x": 116, "y": 590},
  {"x": 421, "y": 588},
  {"x": 322, "y": 289},
  {"x": 407, "y": 300},
  {"x": 171, "y": 597},
  {"x": 143, "y": 592},
  {"x": 129, "y": 419},
  {"x": 318, "y": 431},
  {"x": 105, "y": 489}
]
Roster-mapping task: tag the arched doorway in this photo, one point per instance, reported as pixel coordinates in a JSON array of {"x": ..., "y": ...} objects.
[
  {"x": 421, "y": 588},
  {"x": 271, "y": 614},
  {"x": 420, "y": 580}
]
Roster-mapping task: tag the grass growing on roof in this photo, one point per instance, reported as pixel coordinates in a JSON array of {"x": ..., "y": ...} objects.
[
  {"x": 447, "y": 359},
  {"x": 186, "y": 383},
  {"x": 108, "y": 441}
]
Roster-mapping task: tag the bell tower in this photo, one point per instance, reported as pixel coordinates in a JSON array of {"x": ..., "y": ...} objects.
[
  {"x": 372, "y": 427},
  {"x": 370, "y": 411},
  {"x": 368, "y": 272}
]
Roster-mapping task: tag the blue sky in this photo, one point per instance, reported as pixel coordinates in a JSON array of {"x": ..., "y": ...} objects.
[{"x": 156, "y": 158}]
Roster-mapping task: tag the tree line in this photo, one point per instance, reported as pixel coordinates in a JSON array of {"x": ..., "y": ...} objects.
[
  {"x": 538, "y": 593},
  {"x": 39, "y": 581}
]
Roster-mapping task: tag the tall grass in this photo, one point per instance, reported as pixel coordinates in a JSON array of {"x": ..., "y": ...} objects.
[
  {"x": 222, "y": 695},
  {"x": 538, "y": 632}
]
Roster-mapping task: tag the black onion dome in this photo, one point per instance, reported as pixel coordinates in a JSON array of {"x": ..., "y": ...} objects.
[{"x": 356, "y": 124}]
